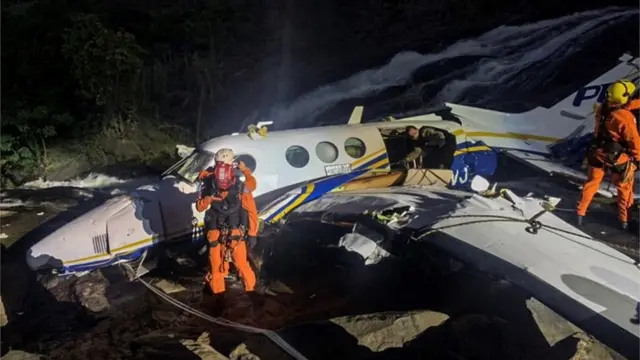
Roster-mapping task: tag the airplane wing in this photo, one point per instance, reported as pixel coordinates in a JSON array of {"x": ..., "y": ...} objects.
[{"x": 556, "y": 167}]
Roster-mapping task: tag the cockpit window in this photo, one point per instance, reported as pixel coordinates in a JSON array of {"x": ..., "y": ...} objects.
[{"x": 193, "y": 165}]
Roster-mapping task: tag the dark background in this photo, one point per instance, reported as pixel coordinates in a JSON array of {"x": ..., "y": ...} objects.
[{"x": 96, "y": 83}]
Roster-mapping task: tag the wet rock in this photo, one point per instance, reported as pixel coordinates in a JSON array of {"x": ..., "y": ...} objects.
[
  {"x": 4, "y": 319},
  {"x": 176, "y": 343},
  {"x": 90, "y": 292},
  {"x": 553, "y": 327},
  {"x": 344, "y": 337},
  {"x": 163, "y": 316},
  {"x": 49, "y": 282},
  {"x": 258, "y": 347},
  {"x": 21, "y": 355},
  {"x": 390, "y": 329},
  {"x": 201, "y": 348},
  {"x": 590, "y": 349},
  {"x": 242, "y": 352},
  {"x": 169, "y": 287},
  {"x": 127, "y": 298},
  {"x": 575, "y": 347},
  {"x": 280, "y": 287},
  {"x": 479, "y": 336}
]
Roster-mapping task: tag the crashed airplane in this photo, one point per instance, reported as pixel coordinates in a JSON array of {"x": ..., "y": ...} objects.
[{"x": 516, "y": 238}]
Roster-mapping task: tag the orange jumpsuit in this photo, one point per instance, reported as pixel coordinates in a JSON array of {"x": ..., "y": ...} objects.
[
  {"x": 236, "y": 245},
  {"x": 621, "y": 126}
]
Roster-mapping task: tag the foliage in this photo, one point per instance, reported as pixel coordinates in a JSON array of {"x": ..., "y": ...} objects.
[
  {"x": 105, "y": 63},
  {"x": 102, "y": 76}
]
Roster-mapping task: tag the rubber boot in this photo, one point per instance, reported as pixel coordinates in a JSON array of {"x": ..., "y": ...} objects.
[
  {"x": 212, "y": 304},
  {"x": 580, "y": 220},
  {"x": 218, "y": 305},
  {"x": 624, "y": 225}
]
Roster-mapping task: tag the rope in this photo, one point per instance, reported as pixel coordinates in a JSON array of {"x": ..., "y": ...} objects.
[
  {"x": 534, "y": 226},
  {"x": 274, "y": 337}
]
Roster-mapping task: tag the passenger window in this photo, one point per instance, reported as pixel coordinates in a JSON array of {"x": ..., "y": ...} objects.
[
  {"x": 326, "y": 151},
  {"x": 248, "y": 160},
  {"x": 355, "y": 147},
  {"x": 297, "y": 156}
]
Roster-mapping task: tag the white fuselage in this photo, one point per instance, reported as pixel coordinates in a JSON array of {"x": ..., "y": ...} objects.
[{"x": 127, "y": 225}]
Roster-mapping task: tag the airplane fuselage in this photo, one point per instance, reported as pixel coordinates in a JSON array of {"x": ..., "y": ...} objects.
[
  {"x": 125, "y": 226},
  {"x": 308, "y": 162}
]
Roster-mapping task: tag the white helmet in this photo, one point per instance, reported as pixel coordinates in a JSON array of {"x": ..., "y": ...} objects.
[{"x": 225, "y": 156}]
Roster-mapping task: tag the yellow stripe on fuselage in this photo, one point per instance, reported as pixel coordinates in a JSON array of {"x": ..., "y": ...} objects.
[
  {"x": 472, "y": 149},
  {"x": 509, "y": 135},
  {"x": 299, "y": 199},
  {"x": 368, "y": 157}
]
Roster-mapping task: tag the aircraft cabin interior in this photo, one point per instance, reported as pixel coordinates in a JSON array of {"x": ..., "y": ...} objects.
[{"x": 438, "y": 156}]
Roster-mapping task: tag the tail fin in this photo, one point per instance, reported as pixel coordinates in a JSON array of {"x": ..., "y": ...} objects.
[
  {"x": 570, "y": 117},
  {"x": 581, "y": 102}
]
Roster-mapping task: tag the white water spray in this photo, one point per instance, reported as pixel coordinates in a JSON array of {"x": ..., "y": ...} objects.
[
  {"x": 551, "y": 42},
  {"x": 511, "y": 48}
]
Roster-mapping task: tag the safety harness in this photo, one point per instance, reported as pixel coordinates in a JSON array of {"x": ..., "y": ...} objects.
[
  {"x": 227, "y": 215},
  {"x": 612, "y": 150}
]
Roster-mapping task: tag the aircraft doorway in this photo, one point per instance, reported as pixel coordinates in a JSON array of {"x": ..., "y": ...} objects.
[{"x": 438, "y": 147}]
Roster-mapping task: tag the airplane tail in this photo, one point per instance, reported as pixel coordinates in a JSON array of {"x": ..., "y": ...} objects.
[
  {"x": 581, "y": 102},
  {"x": 540, "y": 127}
]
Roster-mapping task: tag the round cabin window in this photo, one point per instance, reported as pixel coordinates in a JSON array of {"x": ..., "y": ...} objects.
[
  {"x": 248, "y": 160},
  {"x": 355, "y": 147},
  {"x": 326, "y": 151},
  {"x": 297, "y": 156}
]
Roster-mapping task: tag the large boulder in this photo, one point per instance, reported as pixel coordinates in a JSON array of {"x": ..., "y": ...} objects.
[
  {"x": 553, "y": 327},
  {"x": 350, "y": 337},
  {"x": 177, "y": 343},
  {"x": 390, "y": 329},
  {"x": 564, "y": 338},
  {"x": 21, "y": 355},
  {"x": 201, "y": 347}
]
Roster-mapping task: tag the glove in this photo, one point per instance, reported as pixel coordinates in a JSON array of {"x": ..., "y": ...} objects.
[
  {"x": 206, "y": 173},
  {"x": 207, "y": 278},
  {"x": 252, "y": 241}
]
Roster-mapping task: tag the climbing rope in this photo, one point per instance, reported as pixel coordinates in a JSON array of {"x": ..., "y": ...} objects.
[{"x": 273, "y": 336}]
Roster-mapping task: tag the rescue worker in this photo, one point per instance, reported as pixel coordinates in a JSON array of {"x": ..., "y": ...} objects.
[
  {"x": 230, "y": 210},
  {"x": 421, "y": 143},
  {"x": 615, "y": 146},
  {"x": 436, "y": 155},
  {"x": 414, "y": 146}
]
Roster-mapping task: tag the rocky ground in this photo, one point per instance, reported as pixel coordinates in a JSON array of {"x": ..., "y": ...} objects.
[{"x": 325, "y": 308}]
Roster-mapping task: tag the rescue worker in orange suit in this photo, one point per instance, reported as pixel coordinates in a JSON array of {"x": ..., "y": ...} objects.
[
  {"x": 230, "y": 211},
  {"x": 615, "y": 146}
]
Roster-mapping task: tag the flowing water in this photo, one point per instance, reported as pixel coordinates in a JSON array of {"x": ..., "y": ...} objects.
[{"x": 501, "y": 67}]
